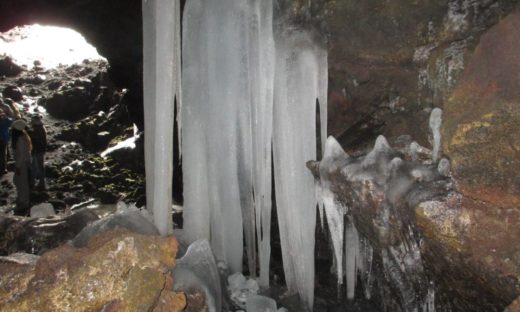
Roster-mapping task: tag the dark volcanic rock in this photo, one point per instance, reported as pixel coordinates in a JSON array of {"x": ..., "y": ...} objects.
[
  {"x": 19, "y": 234},
  {"x": 9, "y": 68},
  {"x": 71, "y": 104},
  {"x": 13, "y": 92}
]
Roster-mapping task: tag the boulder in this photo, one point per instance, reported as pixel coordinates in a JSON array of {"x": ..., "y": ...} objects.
[
  {"x": 36, "y": 236},
  {"x": 13, "y": 92},
  {"x": 117, "y": 271},
  {"x": 9, "y": 68},
  {"x": 71, "y": 104}
]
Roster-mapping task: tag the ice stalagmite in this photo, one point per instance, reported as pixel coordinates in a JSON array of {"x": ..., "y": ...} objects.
[
  {"x": 161, "y": 83},
  {"x": 297, "y": 86}
]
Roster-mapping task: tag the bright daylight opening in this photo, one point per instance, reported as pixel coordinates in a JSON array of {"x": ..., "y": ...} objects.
[{"x": 50, "y": 45}]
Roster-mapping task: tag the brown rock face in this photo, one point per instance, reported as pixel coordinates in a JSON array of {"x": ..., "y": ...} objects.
[
  {"x": 118, "y": 271},
  {"x": 482, "y": 138}
]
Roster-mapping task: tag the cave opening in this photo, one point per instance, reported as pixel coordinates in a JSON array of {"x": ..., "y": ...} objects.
[{"x": 46, "y": 46}]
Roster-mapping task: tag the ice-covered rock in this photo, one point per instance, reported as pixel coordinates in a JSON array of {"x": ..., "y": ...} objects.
[
  {"x": 256, "y": 303},
  {"x": 130, "y": 218},
  {"x": 198, "y": 270},
  {"x": 240, "y": 289}
]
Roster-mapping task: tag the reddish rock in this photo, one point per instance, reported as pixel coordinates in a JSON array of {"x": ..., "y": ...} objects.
[{"x": 117, "y": 271}]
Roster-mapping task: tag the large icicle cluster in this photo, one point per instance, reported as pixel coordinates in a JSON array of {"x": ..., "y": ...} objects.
[
  {"x": 232, "y": 125},
  {"x": 162, "y": 84},
  {"x": 301, "y": 78}
]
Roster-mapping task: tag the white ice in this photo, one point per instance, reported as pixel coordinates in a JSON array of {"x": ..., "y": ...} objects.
[
  {"x": 161, "y": 84},
  {"x": 299, "y": 62},
  {"x": 256, "y": 303},
  {"x": 435, "y": 128},
  {"x": 198, "y": 269}
]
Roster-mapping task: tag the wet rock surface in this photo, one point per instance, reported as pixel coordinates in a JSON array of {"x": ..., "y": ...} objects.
[{"x": 117, "y": 271}]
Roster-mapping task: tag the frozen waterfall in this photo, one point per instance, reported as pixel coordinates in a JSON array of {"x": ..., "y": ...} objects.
[{"x": 161, "y": 85}]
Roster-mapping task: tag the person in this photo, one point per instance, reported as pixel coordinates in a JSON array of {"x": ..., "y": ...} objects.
[
  {"x": 5, "y": 123},
  {"x": 7, "y": 110},
  {"x": 22, "y": 146},
  {"x": 38, "y": 136}
]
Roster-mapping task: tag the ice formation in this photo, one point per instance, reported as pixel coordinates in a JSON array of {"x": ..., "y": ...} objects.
[
  {"x": 198, "y": 270},
  {"x": 227, "y": 125},
  {"x": 299, "y": 79},
  {"x": 240, "y": 289},
  {"x": 258, "y": 303},
  {"x": 161, "y": 85},
  {"x": 231, "y": 129},
  {"x": 435, "y": 127}
]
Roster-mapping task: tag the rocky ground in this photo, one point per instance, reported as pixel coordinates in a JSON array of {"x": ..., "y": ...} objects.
[{"x": 84, "y": 115}]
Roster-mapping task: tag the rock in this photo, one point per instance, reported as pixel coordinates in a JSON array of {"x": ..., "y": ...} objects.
[
  {"x": 16, "y": 271},
  {"x": 19, "y": 234},
  {"x": 13, "y": 92},
  {"x": 9, "y": 68},
  {"x": 42, "y": 211},
  {"x": 117, "y": 271},
  {"x": 71, "y": 104},
  {"x": 107, "y": 196},
  {"x": 514, "y": 307},
  {"x": 482, "y": 139}
]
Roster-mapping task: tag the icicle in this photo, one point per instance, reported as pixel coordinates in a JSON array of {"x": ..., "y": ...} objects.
[
  {"x": 334, "y": 157},
  {"x": 228, "y": 87},
  {"x": 435, "y": 127},
  {"x": 161, "y": 82},
  {"x": 297, "y": 88},
  {"x": 195, "y": 85},
  {"x": 351, "y": 257},
  {"x": 262, "y": 99}
]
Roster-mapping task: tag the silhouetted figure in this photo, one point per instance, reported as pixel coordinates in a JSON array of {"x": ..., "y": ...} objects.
[
  {"x": 22, "y": 156},
  {"x": 5, "y": 123},
  {"x": 38, "y": 136}
]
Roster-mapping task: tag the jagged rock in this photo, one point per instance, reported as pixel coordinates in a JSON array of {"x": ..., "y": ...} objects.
[{"x": 117, "y": 271}]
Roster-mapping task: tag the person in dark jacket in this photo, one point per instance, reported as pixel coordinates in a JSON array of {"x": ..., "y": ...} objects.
[
  {"x": 22, "y": 158},
  {"x": 5, "y": 124},
  {"x": 38, "y": 136}
]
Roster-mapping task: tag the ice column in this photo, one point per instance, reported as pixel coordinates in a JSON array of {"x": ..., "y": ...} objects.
[
  {"x": 161, "y": 84},
  {"x": 262, "y": 52},
  {"x": 228, "y": 70},
  {"x": 299, "y": 63}
]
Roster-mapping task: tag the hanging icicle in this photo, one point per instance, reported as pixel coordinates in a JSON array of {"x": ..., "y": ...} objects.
[{"x": 161, "y": 84}]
